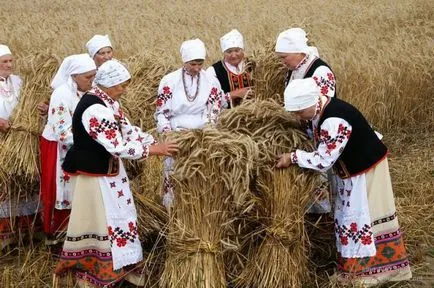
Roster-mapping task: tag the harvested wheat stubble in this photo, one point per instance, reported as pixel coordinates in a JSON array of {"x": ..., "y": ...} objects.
[
  {"x": 210, "y": 176},
  {"x": 276, "y": 248}
]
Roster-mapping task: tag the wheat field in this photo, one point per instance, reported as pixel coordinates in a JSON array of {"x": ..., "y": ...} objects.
[{"x": 382, "y": 53}]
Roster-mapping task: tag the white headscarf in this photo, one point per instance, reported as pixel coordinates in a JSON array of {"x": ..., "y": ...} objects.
[
  {"x": 4, "y": 50},
  {"x": 96, "y": 43},
  {"x": 74, "y": 64},
  {"x": 301, "y": 94},
  {"x": 192, "y": 50},
  {"x": 111, "y": 73},
  {"x": 292, "y": 41},
  {"x": 233, "y": 39}
]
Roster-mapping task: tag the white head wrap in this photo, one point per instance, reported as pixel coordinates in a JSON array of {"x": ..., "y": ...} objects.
[
  {"x": 292, "y": 41},
  {"x": 192, "y": 49},
  {"x": 111, "y": 73},
  {"x": 97, "y": 42},
  {"x": 233, "y": 39},
  {"x": 301, "y": 94},
  {"x": 74, "y": 64},
  {"x": 4, "y": 50}
]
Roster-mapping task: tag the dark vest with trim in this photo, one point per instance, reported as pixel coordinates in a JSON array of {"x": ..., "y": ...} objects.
[
  {"x": 363, "y": 150},
  {"x": 309, "y": 73},
  {"x": 230, "y": 81},
  {"x": 87, "y": 156}
]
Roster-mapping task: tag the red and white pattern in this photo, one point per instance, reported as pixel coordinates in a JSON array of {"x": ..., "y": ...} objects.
[
  {"x": 174, "y": 112},
  {"x": 59, "y": 128},
  {"x": 323, "y": 76},
  {"x": 109, "y": 127},
  {"x": 351, "y": 203}
]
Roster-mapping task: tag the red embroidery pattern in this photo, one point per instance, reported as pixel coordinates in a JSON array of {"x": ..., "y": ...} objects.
[
  {"x": 294, "y": 158},
  {"x": 107, "y": 128},
  {"x": 343, "y": 133},
  {"x": 104, "y": 96},
  {"x": 364, "y": 235},
  {"x": 215, "y": 98},
  {"x": 326, "y": 85},
  {"x": 121, "y": 237},
  {"x": 164, "y": 96}
]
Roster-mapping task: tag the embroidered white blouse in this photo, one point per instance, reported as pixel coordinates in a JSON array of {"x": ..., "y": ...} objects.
[
  {"x": 177, "y": 111},
  {"x": 59, "y": 129},
  {"x": 323, "y": 76},
  {"x": 9, "y": 95},
  {"x": 108, "y": 126},
  {"x": 352, "y": 218}
]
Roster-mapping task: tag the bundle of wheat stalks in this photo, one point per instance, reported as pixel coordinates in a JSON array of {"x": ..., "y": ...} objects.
[
  {"x": 211, "y": 175},
  {"x": 276, "y": 248},
  {"x": 20, "y": 148},
  {"x": 139, "y": 101}
]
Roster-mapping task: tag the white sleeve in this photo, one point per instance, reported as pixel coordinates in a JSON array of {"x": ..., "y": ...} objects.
[
  {"x": 334, "y": 136},
  {"x": 101, "y": 125},
  {"x": 326, "y": 80},
  {"x": 60, "y": 119},
  {"x": 212, "y": 76}
]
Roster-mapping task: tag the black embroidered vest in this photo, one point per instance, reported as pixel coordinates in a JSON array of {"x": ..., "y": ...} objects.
[
  {"x": 309, "y": 73},
  {"x": 230, "y": 81},
  {"x": 363, "y": 150},
  {"x": 86, "y": 156}
]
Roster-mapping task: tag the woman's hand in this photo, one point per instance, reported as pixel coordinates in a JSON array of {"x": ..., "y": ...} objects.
[
  {"x": 42, "y": 108},
  {"x": 240, "y": 93},
  {"x": 283, "y": 160},
  {"x": 168, "y": 148},
  {"x": 4, "y": 125}
]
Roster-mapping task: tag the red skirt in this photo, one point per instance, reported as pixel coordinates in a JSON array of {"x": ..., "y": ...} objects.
[{"x": 54, "y": 220}]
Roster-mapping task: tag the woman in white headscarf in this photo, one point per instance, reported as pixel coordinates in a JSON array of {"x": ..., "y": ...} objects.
[
  {"x": 72, "y": 80},
  {"x": 368, "y": 237},
  {"x": 187, "y": 99},
  {"x": 100, "y": 49},
  {"x": 102, "y": 241},
  {"x": 16, "y": 215},
  {"x": 303, "y": 61},
  {"x": 231, "y": 73}
]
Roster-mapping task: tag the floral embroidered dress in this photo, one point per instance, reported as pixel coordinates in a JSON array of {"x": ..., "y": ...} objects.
[
  {"x": 56, "y": 140},
  {"x": 185, "y": 102},
  {"x": 16, "y": 214},
  {"x": 368, "y": 236},
  {"x": 102, "y": 237}
]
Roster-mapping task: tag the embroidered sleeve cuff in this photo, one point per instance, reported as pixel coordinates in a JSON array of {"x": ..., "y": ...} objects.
[
  {"x": 166, "y": 129},
  {"x": 294, "y": 158},
  {"x": 145, "y": 153}
]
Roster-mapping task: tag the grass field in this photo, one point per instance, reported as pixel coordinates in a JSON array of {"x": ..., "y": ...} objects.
[{"x": 382, "y": 53}]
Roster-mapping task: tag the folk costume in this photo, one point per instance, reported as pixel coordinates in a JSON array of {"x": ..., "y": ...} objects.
[
  {"x": 229, "y": 77},
  {"x": 102, "y": 241},
  {"x": 368, "y": 236},
  {"x": 186, "y": 102},
  {"x": 17, "y": 215},
  {"x": 294, "y": 41},
  {"x": 57, "y": 185}
]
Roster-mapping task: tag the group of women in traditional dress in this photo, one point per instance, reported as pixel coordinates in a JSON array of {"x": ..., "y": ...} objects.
[{"x": 85, "y": 188}]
